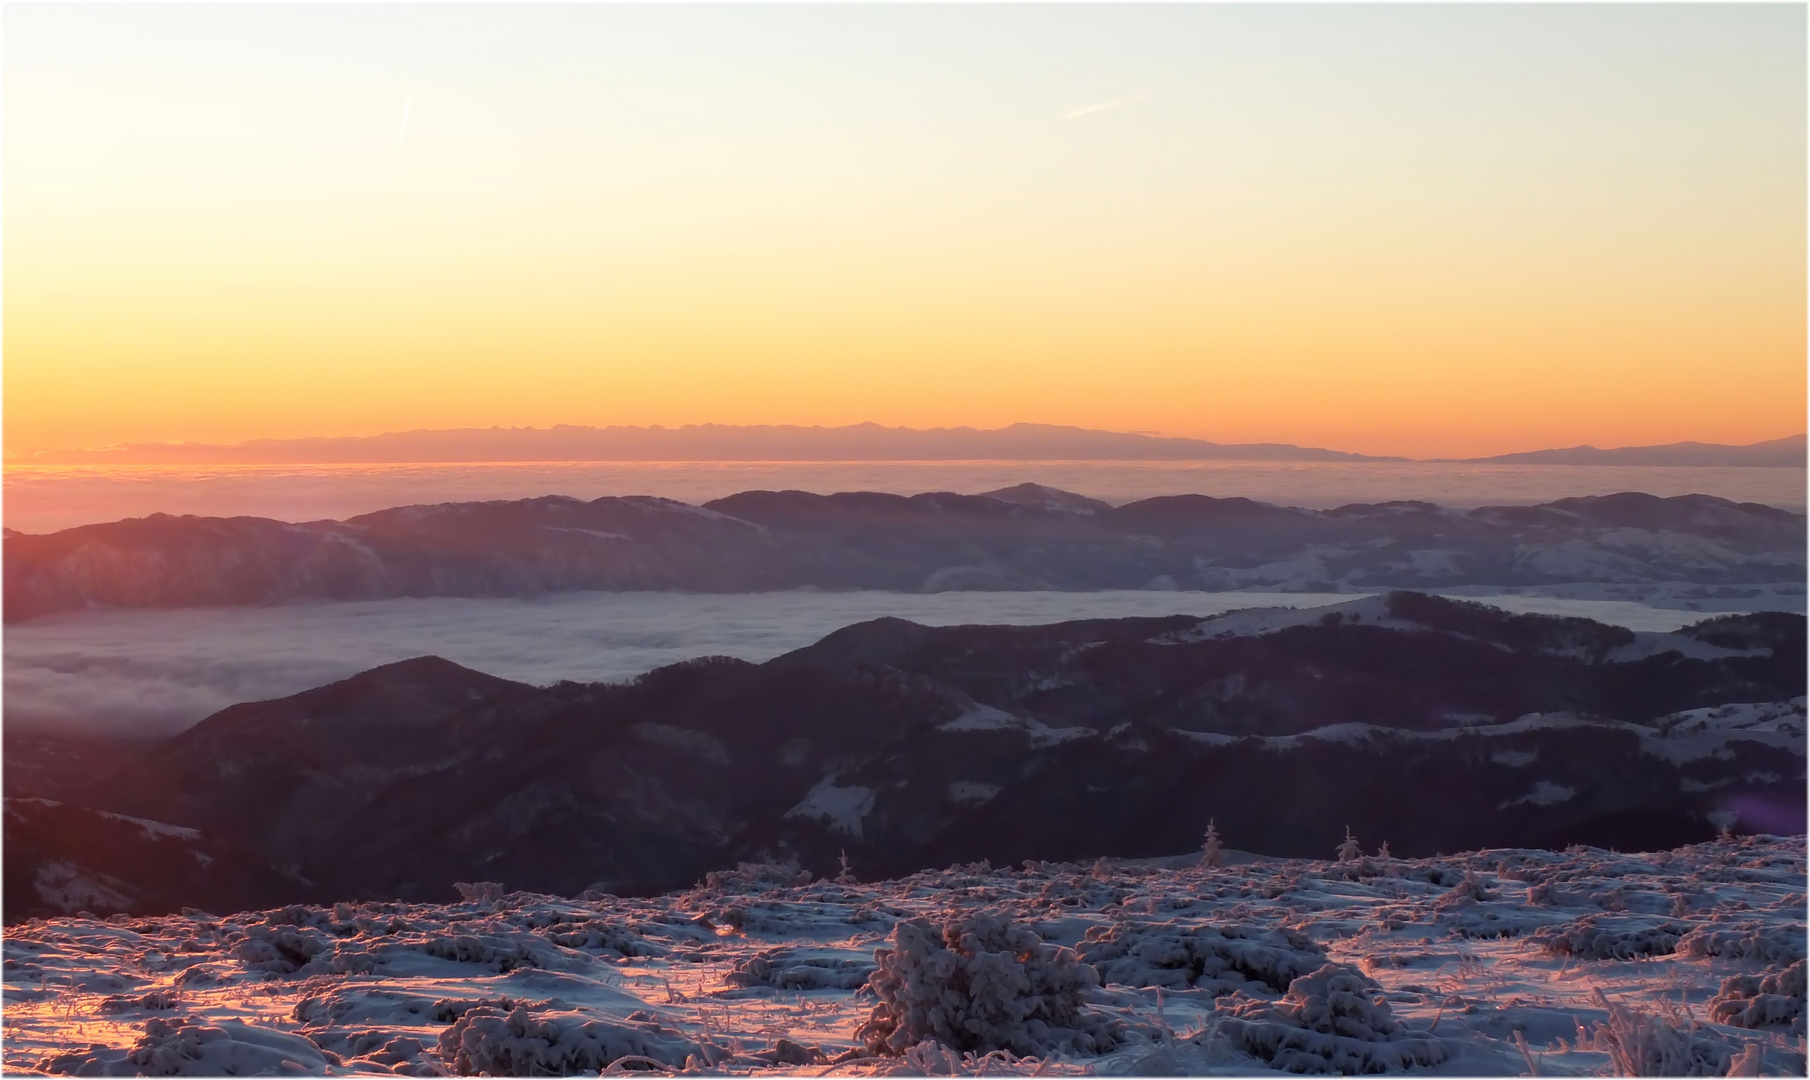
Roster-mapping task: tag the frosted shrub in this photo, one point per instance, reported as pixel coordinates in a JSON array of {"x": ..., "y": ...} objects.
[
  {"x": 1773, "y": 1001},
  {"x": 1589, "y": 938},
  {"x": 519, "y": 1043},
  {"x": 604, "y": 935},
  {"x": 1746, "y": 941},
  {"x": 479, "y": 892},
  {"x": 1349, "y": 850},
  {"x": 981, "y": 984},
  {"x": 1334, "y": 1020},
  {"x": 279, "y": 950},
  {"x": 1217, "y": 958},
  {"x": 500, "y": 954},
  {"x": 782, "y": 969},
  {"x": 756, "y": 877},
  {"x": 182, "y": 1047}
]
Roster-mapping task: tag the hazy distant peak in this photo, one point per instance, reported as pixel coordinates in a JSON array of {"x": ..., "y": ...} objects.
[
  {"x": 866, "y": 441},
  {"x": 1785, "y": 452},
  {"x": 1047, "y": 498}
]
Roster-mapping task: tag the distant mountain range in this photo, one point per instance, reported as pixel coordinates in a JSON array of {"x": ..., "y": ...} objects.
[
  {"x": 1788, "y": 451},
  {"x": 1023, "y": 538},
  {"x": 910, "y": 747},
  {"x": 857, "y": 442}
]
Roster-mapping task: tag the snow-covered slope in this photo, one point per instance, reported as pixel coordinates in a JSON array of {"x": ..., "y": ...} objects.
[{"x": 1490, "y": 963}]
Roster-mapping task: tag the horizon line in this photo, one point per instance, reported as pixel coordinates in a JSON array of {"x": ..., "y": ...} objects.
[{"x": 115, "y": 453}]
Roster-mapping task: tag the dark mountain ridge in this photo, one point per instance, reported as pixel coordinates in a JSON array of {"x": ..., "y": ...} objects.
[
  {"x": 1017, "y": 539},
  {"x": 1435, "y": 724}
]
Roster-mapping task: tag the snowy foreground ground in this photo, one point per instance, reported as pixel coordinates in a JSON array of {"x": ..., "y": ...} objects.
[{"x": 1505, "y": 962}]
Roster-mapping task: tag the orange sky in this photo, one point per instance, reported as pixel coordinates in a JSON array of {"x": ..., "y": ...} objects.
[{"x": 1429, "y": 231}]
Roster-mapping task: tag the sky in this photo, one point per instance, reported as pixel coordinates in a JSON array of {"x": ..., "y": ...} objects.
[{"x": 1418, "y": 230}]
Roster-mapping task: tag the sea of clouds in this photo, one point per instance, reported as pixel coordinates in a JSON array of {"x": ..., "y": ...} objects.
[{"x": 156, "y": 672}]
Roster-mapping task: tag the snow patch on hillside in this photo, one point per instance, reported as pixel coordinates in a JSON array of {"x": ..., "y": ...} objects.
[
  {"x": 1544, "y": 793},
  {"x": 972, "y": 792},
  {"x": 978, "y": 718},
  {"x": 1698, "y": 734},
  {"x": 1255, "y": 622},
  {"x": 841, "y": 808}
]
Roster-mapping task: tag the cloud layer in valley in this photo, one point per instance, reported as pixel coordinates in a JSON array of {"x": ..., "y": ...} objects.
[{"x": 157, "y": 672}]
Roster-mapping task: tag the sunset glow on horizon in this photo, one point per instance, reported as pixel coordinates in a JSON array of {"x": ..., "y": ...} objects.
[{"x": 1430, "y": 231}]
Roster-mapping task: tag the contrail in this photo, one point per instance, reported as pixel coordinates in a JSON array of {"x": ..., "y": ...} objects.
[
  {"x": 402, "y": 129},
  {"x": 1115, "y": 103}
]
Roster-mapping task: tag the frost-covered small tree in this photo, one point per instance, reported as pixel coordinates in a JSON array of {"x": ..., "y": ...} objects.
[
  {"x": 1349, "y": 850},
  {"x": 847, "y": 874},
  {"x": 1382, "y": 852},
  {"x": 982, "y": 983},
  {"x": 1211, "y": 848}
]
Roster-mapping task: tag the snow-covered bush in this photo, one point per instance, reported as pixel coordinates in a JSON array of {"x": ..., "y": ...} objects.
[
  {"x": 1589, "y": 939},
  {"x": 783, "y": 969},
  {"x": 518, "y": 1043},
  {"x": 1472, "y": 888},
  {"x": 1772, "y": 945},
  {"x": 1217, "y": 958},
  {"x": 756, "y": 877},
  {"x": 1772, "y": 1001},
  {"x": 981, "y": 983},
  {"x": 479, "y": 892},
  {"x": 501, "y": 953},
  {"x": 605, "y": 935},
  {"x": 278, "y": 950},
  {"x": 1334, "y": 1020},
  {"x": 180, "y": 1047}
]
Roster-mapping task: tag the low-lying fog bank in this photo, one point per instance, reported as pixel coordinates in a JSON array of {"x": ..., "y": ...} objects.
[{"x": 157, "y": 672}]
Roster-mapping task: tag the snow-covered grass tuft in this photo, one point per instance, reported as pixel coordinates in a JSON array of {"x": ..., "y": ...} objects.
[{"x": 1640, "y": 1043}]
